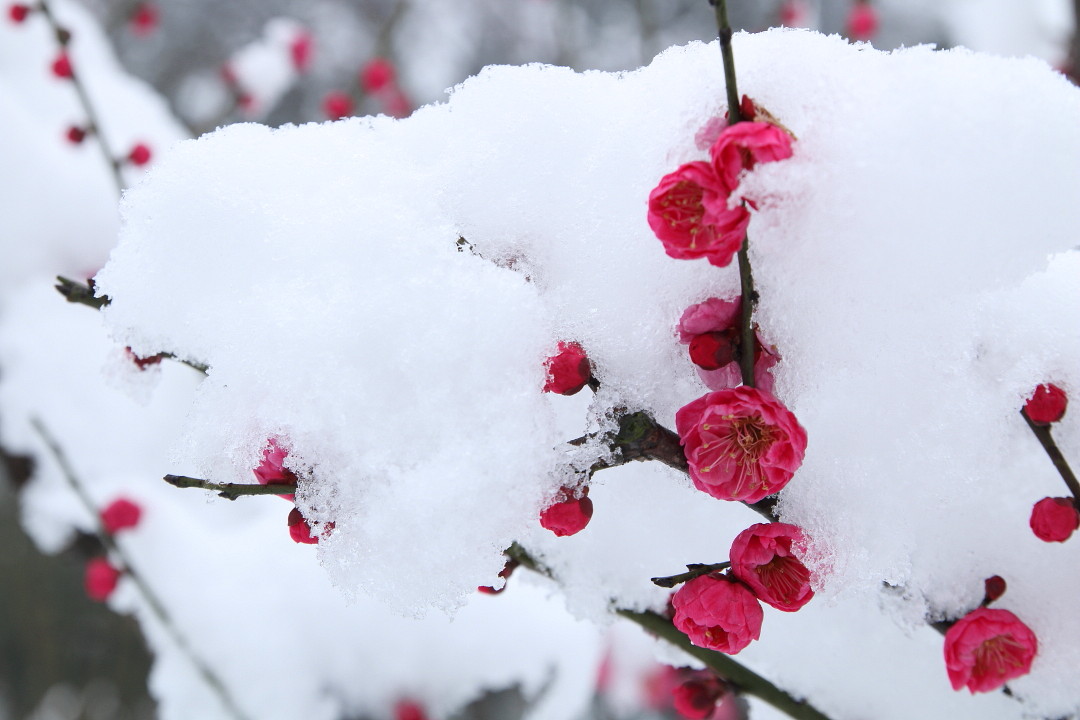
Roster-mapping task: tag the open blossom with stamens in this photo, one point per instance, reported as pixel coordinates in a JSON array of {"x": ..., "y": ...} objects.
[
  {"x": 986, "y": 648},
  {"x": 743, "y": 146},
  {"x": 718, "y": 613},
  {"x": 689, "y": 213},
  {"x": 741, "y": 444},
  {"x": 763, "y": 557}
]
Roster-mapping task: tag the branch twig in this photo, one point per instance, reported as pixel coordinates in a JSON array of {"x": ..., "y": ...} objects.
[
  {"x": 63, "y": 38},
  {"x": 693, "y": 570},
  {"x": 209, "y": 676},
  {"x": 81, "y": 293},
  {"x": 229, "y": 491},
  {"x": 1042, "y": 432}
]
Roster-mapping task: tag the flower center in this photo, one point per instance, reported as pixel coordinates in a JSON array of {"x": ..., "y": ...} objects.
[
  {"x": 998, "y": 656},
  {"x": 683, "y": 209},
  {"x": 785, "y": 576},
  {"x": 752, "y": 436}
]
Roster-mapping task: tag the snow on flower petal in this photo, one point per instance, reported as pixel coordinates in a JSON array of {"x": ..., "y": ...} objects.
[
  {"x": 986, "y": 648},
  {"x": 299, "y": 529},
  {"x": 718, "y": 613},
  {"x": 1054, "y": 519},
  {"x": 763, "y": 557},
  {"x": 272, "y": 470},
  {"x": 741, "y": 444},
  {"x": 688, "y": 211}
]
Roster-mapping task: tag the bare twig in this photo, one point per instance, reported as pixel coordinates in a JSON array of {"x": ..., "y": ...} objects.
[
  {"x": 156, "y": 606},
  {"x": 694, "y": 570},
  {"x": 1046, "y": 439},
  {"x": 229, "y": 491},
  {"x": 81, "y": 293}
]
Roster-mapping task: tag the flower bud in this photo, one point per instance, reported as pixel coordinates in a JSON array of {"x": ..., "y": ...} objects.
[
  {"x": 61, "y": 66},
  {"x": 1054, "y": 519},
  {"x": 567, "y": 517},
  {"x": 100, "y": 579},
  {"x": 1046, "y": 405},
  {"x": 120, "y": 514},
  {"x": 299, "y": 530},
  {"x": 568, "y": 370}
]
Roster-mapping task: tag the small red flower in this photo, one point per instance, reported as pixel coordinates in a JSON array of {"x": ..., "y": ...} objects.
[
  {"x": 696, "y": 697},
  {"x": 743, "y": 145},
  {"x": 61, "y": 66},
  {"x": 1046, "y": 405},
  {"x": 272, "y": 470},
  {"x": 568, "y": 370},
  {"x": 862, "y": 21},
  {"x": 711, "y": 329},
  {"x": 763, "y": 557},
  {"x": 741, "y": 444},
  {"x": 336, "y": 105},
  {"x": 377, "y": 74},
  {"x": 300, "y": 530},
  {"x": 144, "y": 19},
  {"x": 1054, "y": 519},
  {"x": 120, "y": 514},
  {"x": 75, "y": 134},
  {"x": 718, "y": 613},
  {"x": 689, "y": 213},
  {"x": 986, "y": 648},
  {"x": 139, "y": 154},
  {"x": 994, "y": 588},
  {"x": 300, "y": 50},
  {"x": 17, "y": 12},
  {"x": 395, "y": 103},
  {"x": 409, "y": 710},
  {"x": 569, "y": 514},
  {"x": 794, "y": 13},
  {"x": 100, "y": 579}
]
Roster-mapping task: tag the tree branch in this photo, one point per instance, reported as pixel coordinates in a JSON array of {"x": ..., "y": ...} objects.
[
  {"x": 229, "y": 491},
  {"x": 63, "y": 38},
  {"x": 156, "y": 606},
  {"x": 81, "y": 293},
  {"x": 694, "y": 570},
  {"x": 1042, "y": 432},
  {"x": 727, "y": 667}
]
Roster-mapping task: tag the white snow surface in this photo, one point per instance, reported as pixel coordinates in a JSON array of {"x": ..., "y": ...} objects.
[{"x": 917, "y": 272}]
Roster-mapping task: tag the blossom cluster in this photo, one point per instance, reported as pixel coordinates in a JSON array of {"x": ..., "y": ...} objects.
[{"x": 101, "y": 576}]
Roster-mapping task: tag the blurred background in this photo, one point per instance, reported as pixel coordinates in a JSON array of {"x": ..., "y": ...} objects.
[{"x": 66, "y": 657}]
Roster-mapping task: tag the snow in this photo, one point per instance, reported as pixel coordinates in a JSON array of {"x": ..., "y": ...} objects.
[{"x": 917, "y": 269}]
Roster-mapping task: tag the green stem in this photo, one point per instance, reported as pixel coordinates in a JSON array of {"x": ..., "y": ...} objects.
[
  {"x": 81, "y": 293},
  {"x": 747, "y": 336},
  {"x": 156, "y": 606},
  {"x": 727, "y": 667},
  {"x": 229, "y": 491},
  {"x": 1042, "y": 432}
]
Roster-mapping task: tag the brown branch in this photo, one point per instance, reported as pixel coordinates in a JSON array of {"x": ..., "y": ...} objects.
[
  {"x": 694, "y": 570},
  {"x": 1046, "y": 439},
  {"x": 81, "y": 293}
]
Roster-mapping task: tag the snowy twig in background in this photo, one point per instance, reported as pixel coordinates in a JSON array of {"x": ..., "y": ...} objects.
[
  {"x": 1042, "y": 432},
  {"x": 63, "y": 38},
  {"x": 229, "y": 491},
  {"x": 152, "y": 600}
]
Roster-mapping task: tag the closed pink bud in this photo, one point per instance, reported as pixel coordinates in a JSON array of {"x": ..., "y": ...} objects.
[
  {"x": 569, "y": 516},
  {"x": 100, "y": 579},
  {"x": 377, "y": 74},
  {"x": 568, "y": 370},
  {"x": 299, "y": 530},
  {"x": 120, "y": 514},
  {"x": 1054, "y": 519},
  {"x": 61, "y": 66},
  {"x": 139, "y": 154},
  {"x": 1046, "y": 405},
  {"x": 718, "y": 613},
  {"x": 862, "y": 21},
  {"x": 337, "y": 105}
]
